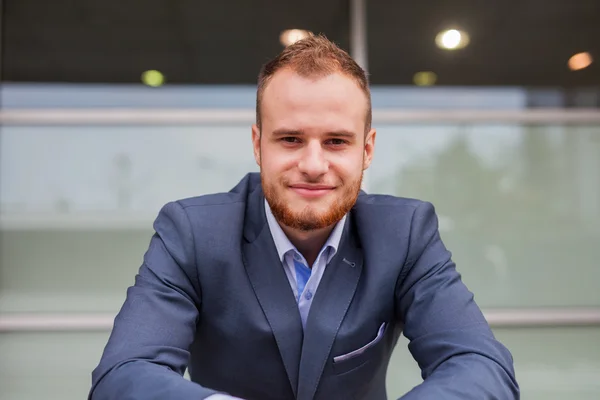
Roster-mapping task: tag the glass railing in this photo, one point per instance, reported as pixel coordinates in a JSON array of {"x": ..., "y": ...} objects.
[{"x": 517, "y": 194}]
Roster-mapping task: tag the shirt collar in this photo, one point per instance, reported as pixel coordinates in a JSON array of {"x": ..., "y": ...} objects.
[{"x": 283, "y": 244}]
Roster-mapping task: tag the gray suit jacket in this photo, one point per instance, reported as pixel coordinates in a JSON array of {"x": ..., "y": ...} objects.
[{"x": 212, "y": 295}]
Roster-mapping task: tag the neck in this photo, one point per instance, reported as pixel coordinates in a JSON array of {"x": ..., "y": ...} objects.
[{"x": 308, "y": 243}]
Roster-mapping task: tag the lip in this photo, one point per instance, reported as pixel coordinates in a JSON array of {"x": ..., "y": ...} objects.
[{"x": 312, "y": 191}]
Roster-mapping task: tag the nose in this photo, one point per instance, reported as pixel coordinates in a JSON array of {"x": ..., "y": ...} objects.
[{"x": 313, "y": 163}]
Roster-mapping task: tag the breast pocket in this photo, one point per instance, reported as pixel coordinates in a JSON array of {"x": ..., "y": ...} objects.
[{"x": 354, "y": 359}]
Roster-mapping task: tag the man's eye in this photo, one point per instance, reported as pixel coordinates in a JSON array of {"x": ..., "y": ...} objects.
[
  {"x": 337, "y": 142},
  {"x": 290, "y": 139}
]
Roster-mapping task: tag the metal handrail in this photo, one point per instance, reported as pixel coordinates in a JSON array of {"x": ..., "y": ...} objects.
[
  {"x": 497, "y": 318},
  {"x": 148, "y": 116}
]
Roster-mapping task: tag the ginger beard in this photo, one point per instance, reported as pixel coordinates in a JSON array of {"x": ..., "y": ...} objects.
[{"x": 309, "y": 218}]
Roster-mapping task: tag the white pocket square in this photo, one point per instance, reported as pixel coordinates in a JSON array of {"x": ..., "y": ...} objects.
[{"x": 357, "y": 352}]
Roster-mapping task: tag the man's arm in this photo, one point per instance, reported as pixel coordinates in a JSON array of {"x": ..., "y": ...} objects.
[
  {"x": 147, "y": 353},
  {"x": 449, "y": 336}
]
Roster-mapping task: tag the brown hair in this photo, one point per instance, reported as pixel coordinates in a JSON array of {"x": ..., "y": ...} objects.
[{"x": 314, "y": 56}]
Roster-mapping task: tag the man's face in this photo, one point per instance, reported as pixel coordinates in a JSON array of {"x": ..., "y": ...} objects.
[{"x": 312, "y": 148}]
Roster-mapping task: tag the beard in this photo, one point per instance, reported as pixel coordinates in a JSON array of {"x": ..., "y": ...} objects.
[{"x": 310, "y": 219}]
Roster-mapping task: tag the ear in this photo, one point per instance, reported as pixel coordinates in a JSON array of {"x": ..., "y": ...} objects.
[
  {"x": 256, "y": 143},
  {"x": 369, "y": 148}
]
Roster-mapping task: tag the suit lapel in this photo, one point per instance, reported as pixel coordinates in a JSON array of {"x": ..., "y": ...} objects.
[
  {"x": 330, "y": 304},
  {"x": 272, "y": 287}
]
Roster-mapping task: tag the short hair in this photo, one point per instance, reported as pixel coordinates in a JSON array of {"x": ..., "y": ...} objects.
[{"x": 314, "y": 56}]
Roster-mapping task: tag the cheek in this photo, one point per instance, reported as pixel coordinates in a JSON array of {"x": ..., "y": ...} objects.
[
  {"x": 348, "y": 167},
  {"x": 277, "y": 163},
  {"x": 272, "y": 169}
]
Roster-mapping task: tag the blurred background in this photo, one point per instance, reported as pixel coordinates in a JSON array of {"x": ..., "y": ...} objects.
[{"x": 109, "y": 109}]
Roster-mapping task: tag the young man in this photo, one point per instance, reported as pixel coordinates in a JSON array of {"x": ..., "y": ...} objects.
[{"x": 296, "y": 285}]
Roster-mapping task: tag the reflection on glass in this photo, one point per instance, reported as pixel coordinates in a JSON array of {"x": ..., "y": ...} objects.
[{"x": 519, "y": 206}]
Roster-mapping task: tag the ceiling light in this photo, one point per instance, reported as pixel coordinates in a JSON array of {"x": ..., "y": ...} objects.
[
  {"x": 153, "y": 78},
  {"x": 580, "y": 61},
  {"x": 425, "y": 78},
  {"x": 452, "y": 39},
  {"x": 291, "y": 36}
]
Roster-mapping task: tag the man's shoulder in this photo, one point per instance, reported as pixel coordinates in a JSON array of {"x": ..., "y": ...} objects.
[
  {"x": 202, "y": 212},
  {"x": 236, "y": 196},
  {"x": 217, "y": 216},
  {"x": 378, "y": 211},
  {"x": 391, "y": 224}
]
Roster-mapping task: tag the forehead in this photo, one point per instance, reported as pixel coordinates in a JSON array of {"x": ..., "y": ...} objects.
[{"x": 326, "y": 102}]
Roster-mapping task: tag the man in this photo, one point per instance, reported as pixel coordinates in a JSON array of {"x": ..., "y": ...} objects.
[{"x": 296, "y": 284}]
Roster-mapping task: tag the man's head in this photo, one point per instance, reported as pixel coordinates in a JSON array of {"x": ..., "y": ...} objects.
[{"x": 313, "y": 136}]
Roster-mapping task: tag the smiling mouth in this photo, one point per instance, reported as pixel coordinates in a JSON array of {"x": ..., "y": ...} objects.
[{"x": 309, "y": 191}]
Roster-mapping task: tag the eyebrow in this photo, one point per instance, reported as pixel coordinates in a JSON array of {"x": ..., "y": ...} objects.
[{"x": 294, "y": 132}]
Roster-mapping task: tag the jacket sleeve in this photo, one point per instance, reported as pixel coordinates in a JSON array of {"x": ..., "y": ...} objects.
[
  {"x": 147, "y": 352},
  {"x": 449, "y": 336}
]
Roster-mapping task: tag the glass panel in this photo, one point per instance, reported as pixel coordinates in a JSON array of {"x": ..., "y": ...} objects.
[
  {"x": 519, "y": 206},
  {"x": 78, "y": 204},
  {"x": 118, "y": 169},
  {"x": 38, "y": 365},
  {"x": 551, "y": 364},
  {"x": 68, "y": 271},
  {"x": 48, "y": 365}
]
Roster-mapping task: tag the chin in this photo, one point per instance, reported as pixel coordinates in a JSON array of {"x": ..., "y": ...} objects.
[{"x": 318, "y": 205}]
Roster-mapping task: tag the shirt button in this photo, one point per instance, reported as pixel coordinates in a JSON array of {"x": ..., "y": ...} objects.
[{"x": 308, "y": 295}]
